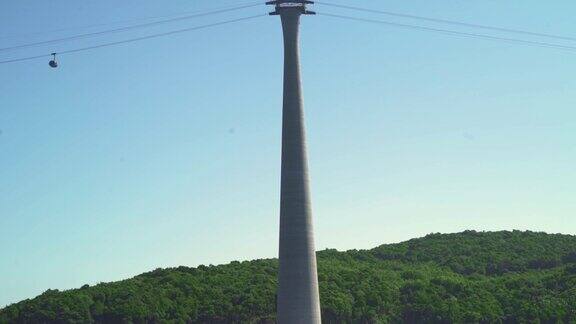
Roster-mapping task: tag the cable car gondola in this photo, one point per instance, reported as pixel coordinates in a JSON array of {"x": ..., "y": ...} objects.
[{"x": 53, "y": 63}]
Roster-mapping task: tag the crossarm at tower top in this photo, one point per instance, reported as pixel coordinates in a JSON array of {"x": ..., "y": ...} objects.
[{"x": 282, "y": 5}]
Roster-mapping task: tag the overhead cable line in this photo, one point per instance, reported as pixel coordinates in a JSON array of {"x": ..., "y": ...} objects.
[
  {"x": 117, "y": 22},
  {"x": 452, "y": 22},
  {"x": 452, "y": 32},
  {"x": 121, "y": 29},
  {"x": 135, "y": 39}
]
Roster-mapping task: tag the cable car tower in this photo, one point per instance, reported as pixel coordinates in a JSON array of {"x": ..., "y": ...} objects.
[{"x": 298, "y": 297}]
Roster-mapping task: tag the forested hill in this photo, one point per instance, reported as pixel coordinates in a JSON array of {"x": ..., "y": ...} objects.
[{"x": 468, "y": 277}]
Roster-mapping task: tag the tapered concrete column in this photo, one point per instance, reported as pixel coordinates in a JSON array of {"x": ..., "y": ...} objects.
[{"x": 298, "y": 297}]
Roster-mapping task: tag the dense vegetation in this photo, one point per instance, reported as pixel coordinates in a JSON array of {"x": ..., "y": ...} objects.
[{"x": 470, "y": 277}]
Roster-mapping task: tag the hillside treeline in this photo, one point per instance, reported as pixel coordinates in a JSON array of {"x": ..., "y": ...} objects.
[{"x": 469, "y": 277}]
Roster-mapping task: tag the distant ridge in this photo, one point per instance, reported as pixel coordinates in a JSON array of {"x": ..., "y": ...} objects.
[{"x": 468, "y": 277}]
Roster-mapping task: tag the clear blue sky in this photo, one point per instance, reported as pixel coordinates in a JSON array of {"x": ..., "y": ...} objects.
[{"x": 167, "y": 152}]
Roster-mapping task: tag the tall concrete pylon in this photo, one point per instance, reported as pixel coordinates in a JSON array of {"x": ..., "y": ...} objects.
[{"x": 298, "y": 296}]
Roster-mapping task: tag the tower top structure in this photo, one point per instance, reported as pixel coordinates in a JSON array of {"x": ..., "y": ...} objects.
[{"x": 289, "y": 6}]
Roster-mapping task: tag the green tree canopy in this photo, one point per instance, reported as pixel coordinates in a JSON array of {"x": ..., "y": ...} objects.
[{"x": 469, "y": 277}]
